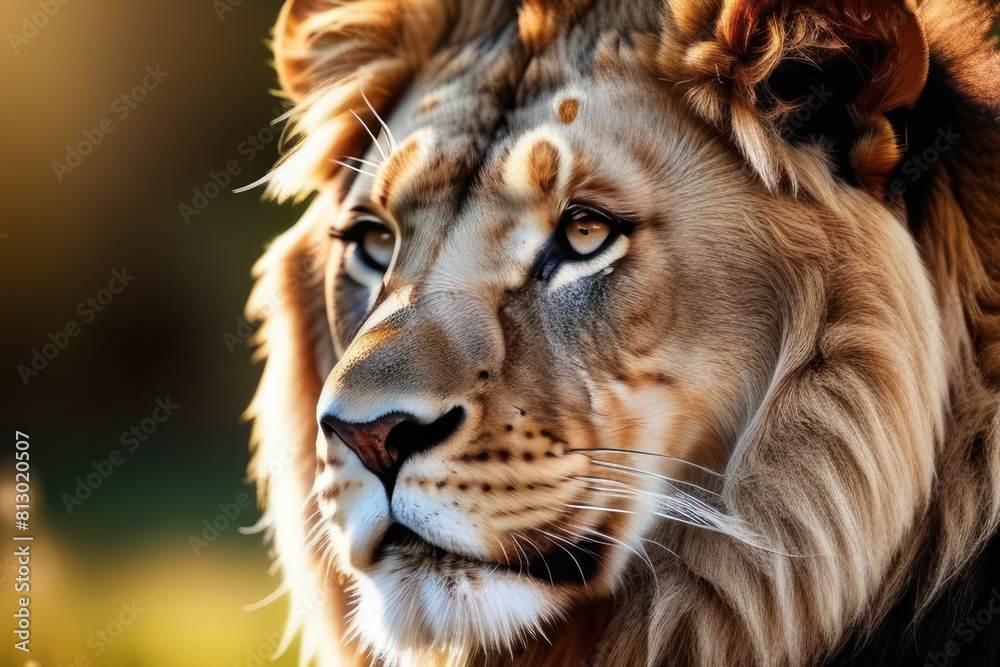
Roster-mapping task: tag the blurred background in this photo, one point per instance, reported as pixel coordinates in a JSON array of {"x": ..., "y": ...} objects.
[{"x": 125, "y": 266}]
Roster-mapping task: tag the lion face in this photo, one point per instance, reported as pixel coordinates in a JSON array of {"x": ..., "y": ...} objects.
[
  {"x": 619, "y": 334},
  {"x": 545, "y": 341}
]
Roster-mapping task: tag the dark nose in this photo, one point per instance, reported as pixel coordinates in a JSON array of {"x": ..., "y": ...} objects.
[{"x": 384, "y": 445}]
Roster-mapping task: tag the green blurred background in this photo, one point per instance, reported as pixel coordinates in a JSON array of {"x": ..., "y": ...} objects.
[{"x": 64, "y": 67}]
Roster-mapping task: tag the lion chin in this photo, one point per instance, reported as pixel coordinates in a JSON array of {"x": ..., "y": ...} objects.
[
  {"x": 633, "y": 332},
  {"x": 414, "y": 605}
]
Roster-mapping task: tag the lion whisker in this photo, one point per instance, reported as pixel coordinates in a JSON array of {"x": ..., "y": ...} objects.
[
  {"x": 687, "y": 505},
  {"x": 504, "y": 550},
  {"x": 582, "y": 533},
  {"x": 520, "y": 552},
  {"x": 715, "y": 521},
  {"x": 357, "y": 169},
  {"x": 671, "y": 482},
  {"x": 278, "y": 592},
  {"x": 362, "y": 161},
  {"x": 544, "y": 562},
  {"x": 678, "y": 498},
  {"x": 378, "y": 146},
  {"x": 599, "y": 509},
  {"x": 556, "y": 539},
  {"x": 613, "y": 540},
  {"x": 670, "y": 551},
  {"x": 612, "y": 450},
  {"x": 261, "y": 525},
  {"x": 609, "y": 492},
  {"x": 266, "y": 178},
  {"x": 388, "y": 133}
]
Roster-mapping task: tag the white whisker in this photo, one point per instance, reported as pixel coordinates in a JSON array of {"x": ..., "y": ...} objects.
[
  {"x": 362, "y": 161},
  {"x": 504, "y": 550},
  {"x": 557, "y": 541},
  {"x": 388, "y": 133},
  {"x": 544, "y": 562},
  {"x": 715, "y": 521},
  {"x": 281, "y": 590},
  {"x": 262, "y": 524},
  {"x": 646, "y": 473},
  {"x": 377, "y": 145},
  {"x": 599, "y": 509},
  {"x": 520, "y": 552},
  {"x": 357, "y": 169},
  {"x": 260, "y": 181},
  {"x": 612, "y": 450},
  {"x": 623, "y": 544},
  {"x": 671, "y": 552}
]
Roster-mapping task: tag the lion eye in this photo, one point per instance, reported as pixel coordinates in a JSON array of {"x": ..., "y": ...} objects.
[
  {"x": 370, "y": 248},
  {"x": 587, "y": 236},
  {"x": 586, "y": 231},
  {"x": 377, "y": 245}
]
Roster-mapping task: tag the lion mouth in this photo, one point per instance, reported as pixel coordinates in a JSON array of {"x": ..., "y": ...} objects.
[{"x": 567, "y": 562}]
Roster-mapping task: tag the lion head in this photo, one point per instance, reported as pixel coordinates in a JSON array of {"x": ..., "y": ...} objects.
[{"x": 619, "y": 332}]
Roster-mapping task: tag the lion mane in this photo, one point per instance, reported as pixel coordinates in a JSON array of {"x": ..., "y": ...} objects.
[{"x": 865, "y": 474}]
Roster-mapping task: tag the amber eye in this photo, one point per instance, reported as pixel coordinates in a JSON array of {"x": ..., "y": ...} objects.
[
  {"x": 376, "y": 245},
  {"x": 586, "y": 231},
  {"x": 371, "y": 245},
  {"x": 587, "y": 236}
]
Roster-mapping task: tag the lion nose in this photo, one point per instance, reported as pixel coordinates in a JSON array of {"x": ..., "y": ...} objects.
[{"x": 383, "y": 445}]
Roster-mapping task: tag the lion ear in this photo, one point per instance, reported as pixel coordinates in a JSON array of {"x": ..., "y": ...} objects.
[{"x": 783, "y": 74}]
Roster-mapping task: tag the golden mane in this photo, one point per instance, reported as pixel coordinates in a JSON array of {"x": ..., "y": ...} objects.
[{"x": 843, "y": 381}]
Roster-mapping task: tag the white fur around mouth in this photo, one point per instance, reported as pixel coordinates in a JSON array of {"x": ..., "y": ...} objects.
[
  {"x": 414, "y": 602},
  {"x": 571, "y": 563}
]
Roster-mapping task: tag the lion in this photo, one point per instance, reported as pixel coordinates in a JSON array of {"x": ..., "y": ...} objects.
[{"x": 634, "y": 332}]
